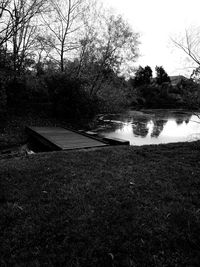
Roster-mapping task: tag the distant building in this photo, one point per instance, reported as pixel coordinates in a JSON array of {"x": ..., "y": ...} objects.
[{"x": 176, "y": 79}]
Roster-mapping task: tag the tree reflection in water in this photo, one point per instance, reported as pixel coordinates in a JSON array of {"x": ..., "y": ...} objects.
[
  {"x": 158, "y": 126},
  {"x": 184, "y": 118},
  {"x": 179, "y": 121},
  {"x": 150, "y": 126},
  {"x": 140, "y": 127}
]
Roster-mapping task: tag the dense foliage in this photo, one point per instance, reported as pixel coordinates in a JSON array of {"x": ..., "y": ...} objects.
[
  {"x": 68, "y": 97},
  {"x": 73, "y": 64},
  {"x": 3, "y": 100},
  {"x": 143, "y": 76},
  {"x": 70, "y": 61},
  {"x": 161, "y": 75},
  {"x": 160, "y": 92}
]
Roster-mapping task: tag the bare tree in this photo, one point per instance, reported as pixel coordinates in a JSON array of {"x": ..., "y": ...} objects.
[
  {"x": 18, "y": 24},
  {"x": 5, "y": 21},
  {"x": 14, "y": 14},
  {"x": 198, "y": 115},
  {"x": 63, "y": 28},
  {"x": 3, "y": 6},
  {"x": 107, "y": 45},
  {"x": 189, "y": 43},
  {"x": 89, "y": 36}
]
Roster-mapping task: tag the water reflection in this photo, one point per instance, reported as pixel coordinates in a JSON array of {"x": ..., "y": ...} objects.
[
  {"x": 158, "y": 126},
  {"x": 140, "y": 128},
  {"x": 151, "y": 126}
]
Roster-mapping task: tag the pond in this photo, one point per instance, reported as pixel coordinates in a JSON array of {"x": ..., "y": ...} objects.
[{"x": 151, "y": 126}]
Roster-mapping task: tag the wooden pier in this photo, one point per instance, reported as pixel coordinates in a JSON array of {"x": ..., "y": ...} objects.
[{"x": 57, "y": 138}]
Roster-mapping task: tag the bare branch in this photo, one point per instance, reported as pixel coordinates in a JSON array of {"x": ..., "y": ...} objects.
[
  {"x": 198, "y": 115},
  {"x": 190, "y": 44},
  {"x": 65, "y": 25}
]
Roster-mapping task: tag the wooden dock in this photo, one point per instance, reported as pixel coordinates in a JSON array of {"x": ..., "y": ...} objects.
[{"x": 57, "y": 138}]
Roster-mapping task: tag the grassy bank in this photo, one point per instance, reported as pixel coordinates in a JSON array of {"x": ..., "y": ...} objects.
[{"x": 137, "y": 206}]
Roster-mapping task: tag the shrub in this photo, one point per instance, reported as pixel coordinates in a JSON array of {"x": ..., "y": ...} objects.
[
  {"x": 17, "y": 93},
  {"x": 113, "y": 97},
  {"x": 190, "y": 93},
  {"x": 69, "y": 98},
  {"x": 3, "y": 100}
]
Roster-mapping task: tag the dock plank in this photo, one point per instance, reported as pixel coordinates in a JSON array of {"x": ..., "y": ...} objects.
[{"x": 64, "y": 139}]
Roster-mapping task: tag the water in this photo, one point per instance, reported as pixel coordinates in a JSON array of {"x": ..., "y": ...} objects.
[{"x": 151, "y": 126}]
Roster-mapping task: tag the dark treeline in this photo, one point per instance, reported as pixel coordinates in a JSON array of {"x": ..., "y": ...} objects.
[
  {"x": 69, "y": 58},
  {"x": 64, "y": 57},
  {"x": 163, "y": 91}
]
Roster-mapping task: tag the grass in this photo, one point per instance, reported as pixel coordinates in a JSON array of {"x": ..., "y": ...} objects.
[{"x": 136, "y": 206}]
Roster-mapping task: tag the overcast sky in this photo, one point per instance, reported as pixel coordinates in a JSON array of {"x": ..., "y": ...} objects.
[{"x": 157, "y": 21}]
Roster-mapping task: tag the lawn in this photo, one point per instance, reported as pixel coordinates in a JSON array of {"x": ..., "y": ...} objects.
[{"x": 122, "y": 206}]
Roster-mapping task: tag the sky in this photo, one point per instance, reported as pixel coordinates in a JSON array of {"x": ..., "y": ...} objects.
[{"x": 157, "y": 21}]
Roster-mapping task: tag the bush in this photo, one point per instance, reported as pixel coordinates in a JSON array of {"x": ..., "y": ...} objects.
[
  {"x": 17, "y": 93},
  {"x": 3, "y": 100},
  {"x": 37, "y": 89},
  {"x": 190, "y": 93},
  {"x": 112, "y": 99},
  {"x": 69, "y": 98},
  {"x": 157, "y": 96}
]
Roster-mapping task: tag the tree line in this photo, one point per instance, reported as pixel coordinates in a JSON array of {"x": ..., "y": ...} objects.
[
  {"x": 78, "y": 41},
  {"x": 160, "y": 92},
  {"x": 72, "y": 57}
]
